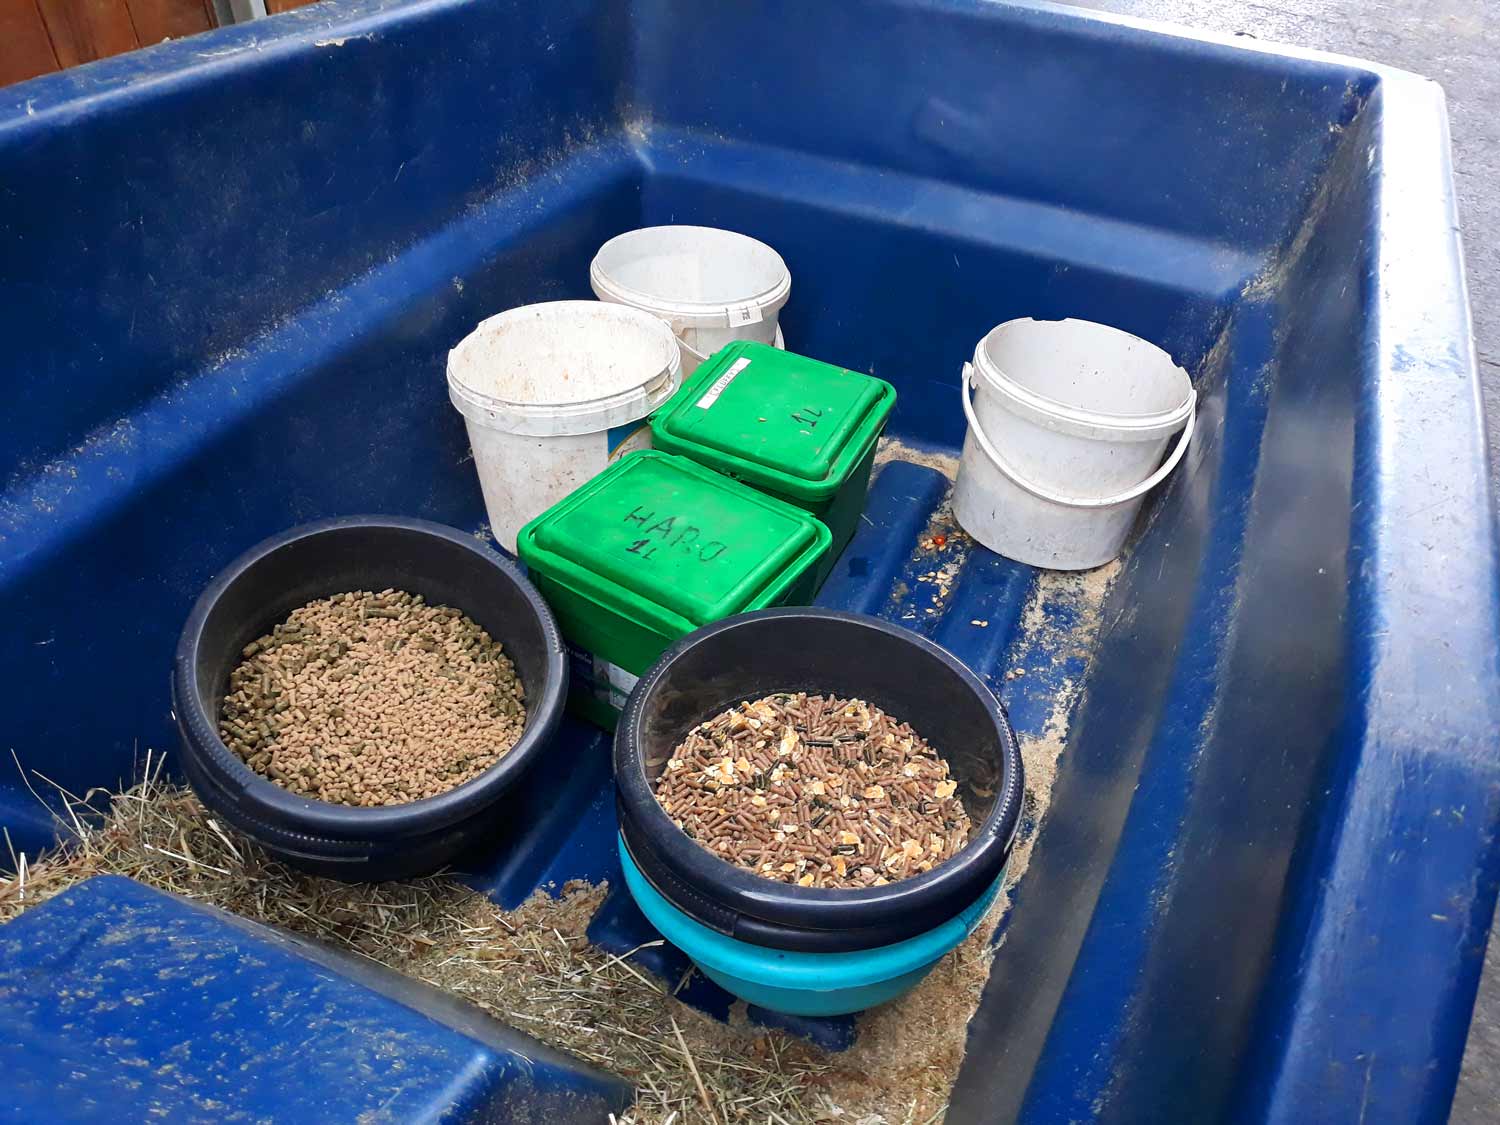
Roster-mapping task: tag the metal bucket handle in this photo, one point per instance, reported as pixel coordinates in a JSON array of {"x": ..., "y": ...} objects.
[{"x": 1037, "y": 490}]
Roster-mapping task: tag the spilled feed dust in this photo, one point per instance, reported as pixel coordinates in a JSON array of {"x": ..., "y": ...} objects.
[
  {"x": 893, "y": 449},
  {"x": 908, "y": 1052},
  {"x": 1081, "y": 594},
  {"x": 534, "y": 968}
]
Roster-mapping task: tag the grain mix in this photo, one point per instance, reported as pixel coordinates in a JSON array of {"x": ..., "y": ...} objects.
[
  {"x": 816, "y": 791},
  {"x": 373, "y": 699}
]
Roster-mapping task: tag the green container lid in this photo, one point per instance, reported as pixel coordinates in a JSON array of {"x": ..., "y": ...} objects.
[
  {"x": 671, "y": 544},
  {"x": 785, "y": 423}
]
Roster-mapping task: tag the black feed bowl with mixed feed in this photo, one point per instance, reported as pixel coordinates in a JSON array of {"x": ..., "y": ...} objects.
[{"x": 820, "y": 652}]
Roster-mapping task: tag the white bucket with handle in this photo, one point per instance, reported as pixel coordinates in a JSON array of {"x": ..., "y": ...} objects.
[
  {"x": 711, "y": 286},
  {"x": 1068, "y": 422}
]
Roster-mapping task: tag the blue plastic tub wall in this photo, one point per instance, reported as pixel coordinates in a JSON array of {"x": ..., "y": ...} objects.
[{"x": 235, "y": 263}]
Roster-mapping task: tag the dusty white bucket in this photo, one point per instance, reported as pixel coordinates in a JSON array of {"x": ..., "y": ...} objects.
[
  {"x": 712, "y": 286},
  {"x": 1065, "y": 438},
  {"x": 551, "y": 394}
]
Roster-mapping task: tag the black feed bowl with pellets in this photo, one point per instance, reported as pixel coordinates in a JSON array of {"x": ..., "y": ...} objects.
[
  {"x": 265, "y": 584},
  {"x": 823, "y": 652}
]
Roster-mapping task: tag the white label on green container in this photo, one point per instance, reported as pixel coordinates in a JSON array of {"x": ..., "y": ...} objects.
[
  {"x": 608, "y": 683},
  {"x": 620, "y": 683},
  {"x": 721, "y": 384}
]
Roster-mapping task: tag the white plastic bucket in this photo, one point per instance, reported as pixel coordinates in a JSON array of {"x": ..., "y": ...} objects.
[
  {"x": 551, "y": 394},
  {"x": 711, "y": 286},
  {"x": 1066, "y": 437}
]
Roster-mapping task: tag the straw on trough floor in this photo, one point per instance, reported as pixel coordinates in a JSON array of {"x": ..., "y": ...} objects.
[{"x": 534, "y": 969}]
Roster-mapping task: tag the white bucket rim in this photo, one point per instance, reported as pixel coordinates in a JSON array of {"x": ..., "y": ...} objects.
[
  {"x": 1066, "y": 418},
  {"x": 690, "y": 314},
  {"x": 580, "y": 416}
]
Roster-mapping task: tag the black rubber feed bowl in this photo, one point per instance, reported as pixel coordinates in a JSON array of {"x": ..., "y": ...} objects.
[
  {"x": 260, "y": 588},
  {"x": 820, "y": 652}
]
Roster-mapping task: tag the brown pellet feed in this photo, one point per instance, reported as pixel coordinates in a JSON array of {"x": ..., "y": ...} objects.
[
  {"x": 814, "y": 790},
  {"x": 373, "y": 699}
]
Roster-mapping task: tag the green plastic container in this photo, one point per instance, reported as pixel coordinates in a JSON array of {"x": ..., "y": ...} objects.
[
  {"x": 799, "y": 429},
  {"x": 649, "y": 550}
]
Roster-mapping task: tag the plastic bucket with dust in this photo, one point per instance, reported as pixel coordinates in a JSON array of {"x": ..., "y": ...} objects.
[
  {"x": 551, "y": 394},
  {"x": 712, "y": 286},
  {"x": 1066, "y": 436}
]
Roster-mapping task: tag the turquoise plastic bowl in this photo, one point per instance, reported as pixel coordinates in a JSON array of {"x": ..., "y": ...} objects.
[{"x": 804, "y": 984}]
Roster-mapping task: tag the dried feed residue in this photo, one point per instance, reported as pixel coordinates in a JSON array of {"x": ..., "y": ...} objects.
[
  {"x": 894, "y": 449},
  {"x": 1080, "y": 594}
]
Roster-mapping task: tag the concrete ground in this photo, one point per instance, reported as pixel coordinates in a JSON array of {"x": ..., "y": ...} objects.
[{"x": 1456, "y": 43}]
